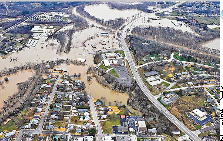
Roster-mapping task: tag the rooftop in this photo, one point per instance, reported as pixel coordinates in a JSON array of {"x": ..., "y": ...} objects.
[
  {"x": 151, "y": 73},
  {"x": 199, "y": 113},
  {"x": 142, "y": 123}
]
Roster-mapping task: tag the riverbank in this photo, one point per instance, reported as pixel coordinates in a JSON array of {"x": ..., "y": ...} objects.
[
  {"x": 22, "y": 73},
  {"x": 9, "y": 88}
]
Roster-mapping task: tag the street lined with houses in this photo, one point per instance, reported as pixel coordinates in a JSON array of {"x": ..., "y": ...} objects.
[
  {"x": 100, "y": 135},
  {"x": 39, "y": 129}
]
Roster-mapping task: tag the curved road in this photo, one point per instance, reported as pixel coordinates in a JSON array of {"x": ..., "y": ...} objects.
[
  {"x": 159, "y": 106},
  {"x": 138, "y": 79}
]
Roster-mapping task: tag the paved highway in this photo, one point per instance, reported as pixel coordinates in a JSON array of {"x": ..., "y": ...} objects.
[{"x": 159, "y": 106}]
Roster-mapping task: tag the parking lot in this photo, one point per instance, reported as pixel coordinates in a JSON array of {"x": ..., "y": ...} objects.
[{"x": 123, "y": 74}]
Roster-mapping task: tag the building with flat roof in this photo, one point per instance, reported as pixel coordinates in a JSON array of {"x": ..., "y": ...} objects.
[
  {"x": 169, "y": 98},
  {"x": 111, "y": 55},
  {"x": 200, "y": 116},
  {"x": 142, "y": 127},
  {"x": 151, "y": 73}
]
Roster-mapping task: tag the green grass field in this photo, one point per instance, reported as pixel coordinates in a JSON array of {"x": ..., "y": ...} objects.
[
  {"x": 107, "y": 125},
  {"x": 209, "y": 21},
  {"x": 113, "y": 72},
  {"x": 165, "y": 84},
  {"x": 9, "y": 126},
  {"x": 102, "y": 66}
]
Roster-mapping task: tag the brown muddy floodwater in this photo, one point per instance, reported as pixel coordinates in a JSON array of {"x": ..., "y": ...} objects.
[
  {"x": 93, "y": 87},
  {"x": 10, "y": 87},
  {"x": 213, "y": 44},
  {"x": 48, "y": 51}
]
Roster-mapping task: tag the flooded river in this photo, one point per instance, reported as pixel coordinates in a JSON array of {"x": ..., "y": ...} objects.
[
  {"x": 10, "y": 87},
  {"x": 103, "y": 11},
  {"x": 214, "y": 44},
  {"x": 47, "y": 50},
  {"x": 93, "y": 87}
]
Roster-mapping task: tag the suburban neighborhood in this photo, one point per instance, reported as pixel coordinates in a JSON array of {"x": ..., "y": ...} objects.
[{"x": 110, "y": 71}]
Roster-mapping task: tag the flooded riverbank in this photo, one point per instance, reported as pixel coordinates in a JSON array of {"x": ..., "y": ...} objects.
[
  {"x": 214, "y": 44},
  {"x": 47, "y": 50},
  {"x": 93, "y": 87},
  {"x": 10, "y": 87}
]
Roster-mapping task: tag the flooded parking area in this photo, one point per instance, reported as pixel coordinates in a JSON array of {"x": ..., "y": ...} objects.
[{"x": 100, "y": 43}]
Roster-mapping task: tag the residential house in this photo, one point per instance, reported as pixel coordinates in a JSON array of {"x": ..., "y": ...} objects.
[
  {"x": 142, "y": 127},
  {"x": 152, "y": 131},
  {"x": 88, "y": 138},
  {"x": 151, "y": 73}
]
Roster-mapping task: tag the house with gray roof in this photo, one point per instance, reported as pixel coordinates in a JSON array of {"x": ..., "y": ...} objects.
[{"x": 151, "y": 73}]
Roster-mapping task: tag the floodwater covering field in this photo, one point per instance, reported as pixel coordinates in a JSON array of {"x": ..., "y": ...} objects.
[
  {"x": 10, "y": 87},
  {"x": 103, "y": 11},
  {"x": 163, "y": 23},
  {"x": 93, "y": 87},
  {"x": 49, "y": 51}
]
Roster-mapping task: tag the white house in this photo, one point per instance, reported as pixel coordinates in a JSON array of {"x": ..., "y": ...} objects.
[
  {"x": 108, "y": 138},
  {"x": 9, "y": 134},
  {"x": 88, "y": 138},
  {"x": 81, "y": 60}
]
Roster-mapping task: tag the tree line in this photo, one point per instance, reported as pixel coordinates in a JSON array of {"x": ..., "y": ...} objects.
[
  {"x": 142, "y": 47},
  {"x": 179, "y": 37}
]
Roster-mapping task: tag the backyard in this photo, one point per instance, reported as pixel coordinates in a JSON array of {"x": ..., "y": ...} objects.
[{"x": 107, "y": 125}]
